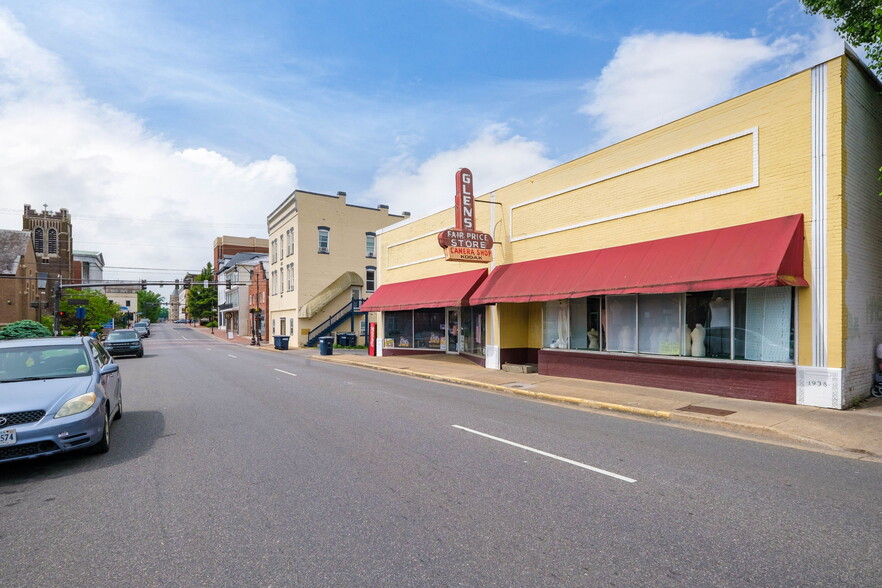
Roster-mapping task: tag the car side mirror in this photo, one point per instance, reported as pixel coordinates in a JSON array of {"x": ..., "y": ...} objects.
[{"x": 109, "y": 369}]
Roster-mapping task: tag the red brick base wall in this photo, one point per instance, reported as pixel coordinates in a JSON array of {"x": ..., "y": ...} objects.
[
  {"x": 731, "y": 379},
  {"x": 390, "y": 351}
]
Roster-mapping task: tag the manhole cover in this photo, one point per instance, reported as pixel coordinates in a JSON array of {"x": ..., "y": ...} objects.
[{"x": 707, "y": 410}]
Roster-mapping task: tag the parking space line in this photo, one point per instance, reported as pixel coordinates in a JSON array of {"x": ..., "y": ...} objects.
[
  {"x": 284, "y": 372},
  {"x": 546, "y": 454}
]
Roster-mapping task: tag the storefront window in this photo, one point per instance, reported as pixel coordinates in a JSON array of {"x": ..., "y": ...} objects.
[
  {"x": 754, "y": 324},
  {"x": 428, "y": 328},
  {"x": 622, "y": 323},
  {"x": 398, "y": 327},
  {"x": 719, "y": 329},
  {"x": 585, "y": 323},
  {"x": 556, "y": 324},
  {"x": 472, "y": 330},
  {"x": 763, "y": 321},
  {"x": 659, "y": 324}
]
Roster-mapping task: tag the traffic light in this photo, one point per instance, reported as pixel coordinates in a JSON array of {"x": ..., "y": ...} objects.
[
  {"x": 61, "y": 314},
  {"x": 143, "y": 284},
  {"x": 186, "y": 283}
]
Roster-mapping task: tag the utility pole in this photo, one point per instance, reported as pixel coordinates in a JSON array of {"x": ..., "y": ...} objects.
[{"x": 56, "y": 307}]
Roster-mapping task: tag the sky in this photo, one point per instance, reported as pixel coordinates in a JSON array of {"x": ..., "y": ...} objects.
[{"x": 162, "y": 124}]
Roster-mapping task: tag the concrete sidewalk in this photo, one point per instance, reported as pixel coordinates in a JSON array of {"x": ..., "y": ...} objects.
[{"x": 855, "y": 433}]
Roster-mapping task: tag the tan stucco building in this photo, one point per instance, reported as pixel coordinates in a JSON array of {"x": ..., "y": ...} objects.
[
  {"x": 734, "y": 252},
  {"x": 322, "y": 257}
]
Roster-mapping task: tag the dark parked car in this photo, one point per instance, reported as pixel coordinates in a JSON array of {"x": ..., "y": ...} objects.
[
  {"x": 124, "y": 342},
  {"x": 56, "y": 394}
]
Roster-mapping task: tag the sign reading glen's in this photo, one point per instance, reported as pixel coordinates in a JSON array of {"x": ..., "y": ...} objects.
[{"x": 463, "y": 242}]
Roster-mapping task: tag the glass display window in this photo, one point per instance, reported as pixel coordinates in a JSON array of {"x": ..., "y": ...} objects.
[
  {"x": 659, "y": 326},
  {"x": 472, "y": 331},
  {"x": 556, "y": 324},
  {"x": 398, "y": 328},
  {"x": 428, "y": 328},
  {"x": 621, "y": 316}
]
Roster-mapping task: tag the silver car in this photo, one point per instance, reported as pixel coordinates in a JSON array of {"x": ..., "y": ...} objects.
[{"x": 56, "y": 394}]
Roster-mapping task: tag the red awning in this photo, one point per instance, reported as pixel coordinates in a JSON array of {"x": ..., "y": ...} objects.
[
  {"x": 437, "y": 292},
  {"x": 765, "y": 253}
]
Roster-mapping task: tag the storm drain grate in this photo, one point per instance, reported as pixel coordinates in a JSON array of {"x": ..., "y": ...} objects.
[{"x": 707, "y": 410}]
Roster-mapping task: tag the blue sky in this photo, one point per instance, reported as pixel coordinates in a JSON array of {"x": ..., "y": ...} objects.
[{"x": 192, "y": 119}]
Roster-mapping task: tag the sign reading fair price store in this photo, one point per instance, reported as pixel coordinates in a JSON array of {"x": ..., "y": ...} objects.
[{"x": 463, "y": 242}]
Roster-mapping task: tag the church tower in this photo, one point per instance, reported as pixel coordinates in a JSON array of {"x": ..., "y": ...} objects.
[{"x": 52, "y": 235}]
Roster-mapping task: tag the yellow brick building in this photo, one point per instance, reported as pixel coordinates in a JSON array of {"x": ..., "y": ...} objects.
[
  {"x": 733, "y": 252},
  {"x": 322, "y": 257}
]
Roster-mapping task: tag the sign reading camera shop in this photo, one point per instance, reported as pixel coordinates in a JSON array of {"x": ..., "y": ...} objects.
[{"x": 463, "y": 242}]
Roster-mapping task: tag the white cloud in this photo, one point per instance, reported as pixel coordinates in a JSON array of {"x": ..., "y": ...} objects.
[
  {"x": 495, "y": 157},
  {"x": 656, "y": 78},
  {"x": 105, "y": 166}
]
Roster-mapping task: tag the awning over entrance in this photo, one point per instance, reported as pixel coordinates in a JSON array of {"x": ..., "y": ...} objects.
[
  {"x": 437, "y": 292},
  {"x": 765, "y": 253}
]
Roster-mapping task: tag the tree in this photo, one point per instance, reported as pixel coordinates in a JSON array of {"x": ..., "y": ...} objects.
[
  {"x": 858, "y": 21},
  {"x": 202, "y": 301},
  {"x": 150, "y": 304},
  {"x": 25, "y": 330},
  {"x": 99, "y": 310}
]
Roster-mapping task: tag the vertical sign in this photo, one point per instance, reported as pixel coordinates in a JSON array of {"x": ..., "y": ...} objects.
[
  {"x": 463, "y": 242},
  {"x": 372, "y": 339},
  {"x": 465, "y": 200}
]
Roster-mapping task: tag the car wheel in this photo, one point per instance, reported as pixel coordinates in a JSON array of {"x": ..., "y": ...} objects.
[
  {"x": 104, "y": 445},
  {"x": 140, "y": 354},
  {"x": 118, "y": 408}
]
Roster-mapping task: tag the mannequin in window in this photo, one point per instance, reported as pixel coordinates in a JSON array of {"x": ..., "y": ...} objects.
[
  {"x": 593, "y": 339},
  {"x": 698, "y": 341},
  {"x": 720, "y": 312}
]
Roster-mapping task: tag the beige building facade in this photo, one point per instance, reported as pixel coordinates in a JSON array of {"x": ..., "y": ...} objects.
[
  {"x": 322, "y": 256},
  {"x": 733, "y": 252}
]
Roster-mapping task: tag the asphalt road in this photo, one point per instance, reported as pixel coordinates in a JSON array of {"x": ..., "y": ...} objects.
[{"x": 238, "y": 467}]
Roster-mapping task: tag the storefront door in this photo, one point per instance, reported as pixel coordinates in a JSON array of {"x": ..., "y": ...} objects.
[{"x": 452, "y": 330}]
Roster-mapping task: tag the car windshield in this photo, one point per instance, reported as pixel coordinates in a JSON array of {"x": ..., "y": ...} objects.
[
  {"x": 41, "y": 363},
  {"x": 122, "y": 336}
]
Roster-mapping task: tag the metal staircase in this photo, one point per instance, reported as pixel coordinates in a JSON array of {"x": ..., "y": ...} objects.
[{"x": 347, "y": 312}]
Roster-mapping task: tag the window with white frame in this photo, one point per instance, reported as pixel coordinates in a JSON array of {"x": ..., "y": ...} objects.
[
  {"x": 275, "y": 251},
  {"x": 370, "y": 244},
  {"x": 324, "y": 239},
  {"x": 370, "y": 279}
]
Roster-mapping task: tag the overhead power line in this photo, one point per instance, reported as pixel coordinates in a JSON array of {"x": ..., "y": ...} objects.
[{"x": 179, "y": 223}]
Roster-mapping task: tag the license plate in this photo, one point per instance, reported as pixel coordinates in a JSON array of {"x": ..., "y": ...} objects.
[{"x": 7, "y": 437}]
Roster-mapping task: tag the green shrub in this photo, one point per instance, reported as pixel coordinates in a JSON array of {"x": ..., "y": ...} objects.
[{"x": 25, "y": 329}]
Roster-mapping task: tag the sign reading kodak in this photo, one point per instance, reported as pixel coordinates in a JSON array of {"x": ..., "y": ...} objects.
[{"x": 463, "y": 242}]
